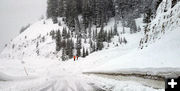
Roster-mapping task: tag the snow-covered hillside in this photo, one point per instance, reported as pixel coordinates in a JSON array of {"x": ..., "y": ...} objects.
[
  {"x": 38, "y": 38},
  {"x": 30, "y": 61},
  {"x": 162, "y": 24},
  {"x": 160, "y": 45},
  {"x": 25, "y": 44}
]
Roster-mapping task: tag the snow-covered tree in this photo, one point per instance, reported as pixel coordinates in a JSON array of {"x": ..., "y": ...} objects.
[{"x": 63, "y": 57}]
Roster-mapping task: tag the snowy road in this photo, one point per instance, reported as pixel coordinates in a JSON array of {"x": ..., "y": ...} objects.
[
  {"x": 58, "y": 83},
  {"x": 79, "y": 82},
  {"x": 52, "y": 75},
  {"x": 151, "y": 77},
  {"x": 156, "y": 84}
]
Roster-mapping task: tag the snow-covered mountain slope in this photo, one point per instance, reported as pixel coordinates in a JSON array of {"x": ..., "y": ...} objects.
[
  {"x": 25, "y": 44},
  {"x": 160, "y": 44},
  {"x": 160, "y": 49},
  {"x": 38, "y": 38},
  {"x": 162, "y": 54},
  {"x": 49, "y": 74},
  {"x": 23, "y": 70}
]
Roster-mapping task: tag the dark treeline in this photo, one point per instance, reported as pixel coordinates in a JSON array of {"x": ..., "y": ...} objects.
[{"x": 98, "y": 12}]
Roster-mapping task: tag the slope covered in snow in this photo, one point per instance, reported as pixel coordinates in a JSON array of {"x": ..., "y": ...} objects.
[
  {"x": 38, "y": 40},
  {"x": 26, "y": 43},
  {"x": 153, "y": 52},
  {"x": 20, "y": 72},
  {"x": 162, "y": 54},
  {"x": 160, "y": 49}
]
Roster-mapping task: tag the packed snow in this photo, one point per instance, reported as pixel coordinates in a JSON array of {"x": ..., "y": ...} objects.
[{"x": 22, "y": 70}]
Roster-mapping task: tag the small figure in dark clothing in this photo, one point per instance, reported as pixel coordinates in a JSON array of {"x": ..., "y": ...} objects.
[{"x": 77, "y": 57}]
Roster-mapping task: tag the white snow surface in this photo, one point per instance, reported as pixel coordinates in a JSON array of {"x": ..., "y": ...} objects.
[
  {"x": 161, "y": 50},
  {"x": 162, "y": 54},
  {"x": 22, "y": 70}
]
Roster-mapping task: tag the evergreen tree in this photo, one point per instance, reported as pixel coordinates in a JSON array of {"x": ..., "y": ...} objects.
[
  {"x": 85, "y": 41},
  {"x": 37, "y": 44},
  {"x": 106, "y": 36},
  {"x": 99, "y": 45},
  {"x": 111, "y": 33},
  {"x": 133, "y": 27},
  {"x": 68, "y": 34},
  {"x": 108, "y": 45},
  {"x": 174, "y": 2},
  {"x": 63, "y": 43},
  {"x": 157, "y": 3},
  {"x": 78, "y": 47},
  {"x": 147, "y": 16},
  {"x": 123, "y": 32},
  {"x": 115, "y": 29},
  {"x": 71, "y": 49},
  {"x": 96, "y": 34},
  {"x": 59, "y": 23},
  {"x": 43, "y": 39},
  {"x": 63, "y": 57},
  {"x": 64, "y": 33},
  {"x": 84, "y": 53},
  {"x": 24, "y": 28},
  {"x": 101, "y": 35},
  {"x": 54, "y": 19},
  {"x": 139, "y": 28},
  {"x": 100, "y": 39},
  {"x": 91, "y": 44},
  {"x": 125, "y": 41},
  {"x": 146, "y": 29},
  {"x": 67, "y": 48},
  {"x": 37, "y": 49},
  {"x": 90, "y": 31},
  {"x": 120, "y": 40},
  {"x": 58, "y": 41},
  {"x": 86, "y": 14},
  {"x": 165, "y": 8},
  {"x": 52, "y": 33},
  {"x": 93, "y": 48},
  {"x": 109, "y": 37},
  {"x": 87, "y": 53}
]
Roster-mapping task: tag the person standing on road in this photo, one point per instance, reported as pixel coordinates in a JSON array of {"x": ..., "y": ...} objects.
[
  {"x": 77, "y": 57},
  {"x": 74, "y": 58}
]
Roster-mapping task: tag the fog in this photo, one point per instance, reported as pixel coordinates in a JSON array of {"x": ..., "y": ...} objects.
[{"x": 17, "y": 13}]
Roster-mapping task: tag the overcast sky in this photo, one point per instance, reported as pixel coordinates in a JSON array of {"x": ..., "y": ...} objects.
[{"x": 17, "y": 13}]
